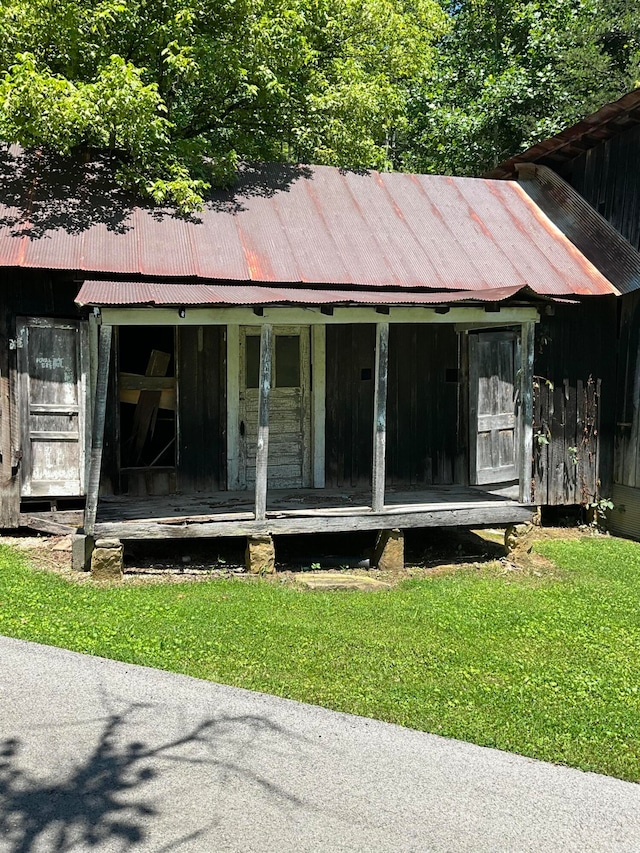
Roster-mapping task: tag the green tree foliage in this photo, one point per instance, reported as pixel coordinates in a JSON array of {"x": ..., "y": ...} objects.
[
  {"x": 178, "y": 90},
  {"x": 510, "y": 73}
]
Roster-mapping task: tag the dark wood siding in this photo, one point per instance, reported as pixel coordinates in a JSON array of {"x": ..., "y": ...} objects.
[
  {"x": 9, "y": 481},
  {"x": 201, "y": 415},
  {"x": 574, "y": 403},
  {"x": 627, "y": 463},
  {"x": 349, "y": 405},
  {"x": 422, "y": 441},
  {"x": 608, "y": 177}
]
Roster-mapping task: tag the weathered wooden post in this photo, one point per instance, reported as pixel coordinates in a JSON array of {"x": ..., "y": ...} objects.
[
  {"x": 389, "y": 550},
  {"x": 260, "y": 553},
  {"x": 83, "y": 545}
]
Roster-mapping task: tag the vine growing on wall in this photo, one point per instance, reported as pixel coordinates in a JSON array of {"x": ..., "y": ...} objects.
[{"x": 566, "y": 440}]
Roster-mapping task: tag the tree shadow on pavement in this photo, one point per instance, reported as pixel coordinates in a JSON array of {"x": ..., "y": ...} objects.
[{"x": 101, "y": 802}]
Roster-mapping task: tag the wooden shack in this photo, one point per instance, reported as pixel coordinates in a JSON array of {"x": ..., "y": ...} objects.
[
  {"x": 587, "y": 179},
  {"x": 315, "y": 351}
]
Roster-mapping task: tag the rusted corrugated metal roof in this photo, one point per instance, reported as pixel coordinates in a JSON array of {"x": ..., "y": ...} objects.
[
  {"x": 294, "y": 225},
  {"x": 162, "y": 293},
  {"x": 608, "y": 121}
]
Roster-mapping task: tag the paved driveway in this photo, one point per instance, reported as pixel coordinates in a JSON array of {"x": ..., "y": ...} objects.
[{"x": 104, "y": 756}]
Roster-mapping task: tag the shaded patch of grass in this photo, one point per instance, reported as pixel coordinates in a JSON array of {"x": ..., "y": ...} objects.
[{"x": 547, "y": 666}]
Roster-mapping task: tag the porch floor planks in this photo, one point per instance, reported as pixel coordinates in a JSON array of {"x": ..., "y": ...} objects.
[{"x": 300, "y": 510}]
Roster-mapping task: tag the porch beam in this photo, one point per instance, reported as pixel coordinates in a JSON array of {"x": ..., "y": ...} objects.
[
  {"x": 498, "y": 513},
  {"x": 309, "y": 316},
  {"x": 262, "y": 448},
  {"x": 526, "y": 414},
  {"x": 98, "y": 421},
  {"x": 380, "y": 416}
]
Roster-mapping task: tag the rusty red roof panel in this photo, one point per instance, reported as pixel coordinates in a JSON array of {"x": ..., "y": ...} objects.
[
  {"x": 108, "y": 293},
  {"x": 292, "y": 225}
]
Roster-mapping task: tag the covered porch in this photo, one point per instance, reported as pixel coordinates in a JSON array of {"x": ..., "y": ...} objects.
[{"x": 287, "y": 466}]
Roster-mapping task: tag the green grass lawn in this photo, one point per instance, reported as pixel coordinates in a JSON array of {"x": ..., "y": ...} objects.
[{"x": 544, "y": 666}]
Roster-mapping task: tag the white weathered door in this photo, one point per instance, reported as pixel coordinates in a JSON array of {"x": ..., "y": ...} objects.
[
  {"x": 52, "y": 395},
  {"x": 493, "y": 380},
  {"x": 289, "y": 407}
]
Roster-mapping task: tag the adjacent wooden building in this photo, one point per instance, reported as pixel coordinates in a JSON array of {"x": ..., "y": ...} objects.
[
  {"x": 317, "y": 350},
  {"x": 587, "y": 179}
]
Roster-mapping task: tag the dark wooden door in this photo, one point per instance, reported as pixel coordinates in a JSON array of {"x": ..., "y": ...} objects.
[
  {"x": 493, "y": 380},
  {"x": 52, "y": 395}
]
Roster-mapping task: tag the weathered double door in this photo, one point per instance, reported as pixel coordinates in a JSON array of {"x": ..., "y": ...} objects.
[{"x": 289, "y": 407}]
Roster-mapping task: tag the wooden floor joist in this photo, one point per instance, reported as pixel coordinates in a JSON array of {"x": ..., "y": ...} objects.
[{"x": 45, "y": 525}]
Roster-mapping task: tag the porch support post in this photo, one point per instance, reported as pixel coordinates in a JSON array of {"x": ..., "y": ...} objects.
[
  {"x": 526, "y": 413},
  {"x": 99, "y": 415},
  {"x": 380, "y": 416},
  {"x": 9, "y": 484},
  {"x": 233, "y": 406},
  {"x": 318, "y": 398},
  {"x": 262, "y": 449}
]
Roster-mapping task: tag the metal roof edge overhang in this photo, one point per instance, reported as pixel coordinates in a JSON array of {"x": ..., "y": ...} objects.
[
  {"x": 123, "y": 294},
  {"x": 587, "y": 229},
  {"x": 610, "y": 119}
]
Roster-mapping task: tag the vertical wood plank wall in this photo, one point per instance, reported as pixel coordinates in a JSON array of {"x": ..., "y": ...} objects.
[
  {"x": 574, "y": 403},
  {"x": 201, "y": 416},
  {"x": 349, "y": 412},
  {"x": 607, "y": 176},
  {"x": 627, "y": 456},
  {"x": 9, "y": 481},
  {"x": 422, "y": 446},
  {"x": 423, "y": 440}
]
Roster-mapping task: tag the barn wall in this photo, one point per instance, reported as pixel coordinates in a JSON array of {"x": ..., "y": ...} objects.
[
  {"x": 574, "y": 403},
  {"x": 422, "y": 406},
  {"x": 423, "y": 447},
  {"x": 624, "y": 519},
  {"x": 349, "y": 404},
  {"x": 201, "y": 411},
  {"x": 607, "y": 176},
  {"x": 627, "y": 462},
  {"x": 9, "y": 483}
]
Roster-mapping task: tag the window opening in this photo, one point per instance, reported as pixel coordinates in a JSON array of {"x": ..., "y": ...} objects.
[
  {"x": 147, "y": 386},
  {"x": 288, "y": 361}
]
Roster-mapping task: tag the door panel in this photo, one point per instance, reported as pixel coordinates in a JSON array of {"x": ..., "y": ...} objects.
[
  {"x": 52, "y": 407},
  {"x": 493, "y": 369},
  {"x": 289, "y": 407}
]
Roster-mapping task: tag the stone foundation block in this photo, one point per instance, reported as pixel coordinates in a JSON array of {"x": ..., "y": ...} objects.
[
  {"x": 260, "y": 556},
  {"x": 81, "y": 551},
  {"x": 107, "y": 560},
  {"x": 388, "y": 555},
  {"x": 519, "y": 537}
]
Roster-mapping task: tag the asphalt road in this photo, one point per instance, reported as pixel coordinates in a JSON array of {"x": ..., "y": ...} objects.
[{"x": 104, "y": 756}]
